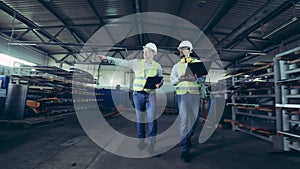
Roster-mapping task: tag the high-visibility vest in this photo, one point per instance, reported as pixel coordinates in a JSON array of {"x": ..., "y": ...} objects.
[
  {"x": 186, "y": 86},
  {"x": 140, "y": 78}
]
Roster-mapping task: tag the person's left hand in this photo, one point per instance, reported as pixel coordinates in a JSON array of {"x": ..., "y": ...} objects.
[
  {"x": 101, "y": 57},
  {"x": 157, "y": 85}
]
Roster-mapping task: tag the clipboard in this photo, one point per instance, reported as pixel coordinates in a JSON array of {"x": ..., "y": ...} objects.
[
  {"x": 199, "y": 68},
  {"x": 151, "y": 81}
]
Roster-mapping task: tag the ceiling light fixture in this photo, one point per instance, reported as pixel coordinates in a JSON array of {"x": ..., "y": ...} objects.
[
  {"x": 292, "y": 20},
  {"x": 256, "y": 53}
]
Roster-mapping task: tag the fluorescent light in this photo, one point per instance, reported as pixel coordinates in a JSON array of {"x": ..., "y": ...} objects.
[
  {"x": 256, "y": 53},
  {"x": 292, "y": 20}
]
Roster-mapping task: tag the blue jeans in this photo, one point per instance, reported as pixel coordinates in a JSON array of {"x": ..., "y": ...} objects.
[
  {"x": 189, "y": 112},
  {"x": 145, "y": 102}
]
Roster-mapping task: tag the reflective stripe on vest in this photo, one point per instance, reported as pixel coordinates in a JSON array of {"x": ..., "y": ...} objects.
[
  {"x": 186, "y": 86},
  {"x": 140, "y": 78}
]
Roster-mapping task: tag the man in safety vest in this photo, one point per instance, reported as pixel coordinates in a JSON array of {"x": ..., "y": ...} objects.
[
  {"x": 144, "y": 99},
  {"x": 188, "y": 91}
]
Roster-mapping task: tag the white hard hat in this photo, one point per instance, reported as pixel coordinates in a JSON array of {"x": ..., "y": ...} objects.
[
  {"x": 152, "y": 46},
  {"x": 186, "y": 43}
]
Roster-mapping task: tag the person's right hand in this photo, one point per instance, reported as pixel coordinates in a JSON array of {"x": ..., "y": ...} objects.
[
  {"x": 181, "y": 78},
  {"x": 101, "y": 57}
]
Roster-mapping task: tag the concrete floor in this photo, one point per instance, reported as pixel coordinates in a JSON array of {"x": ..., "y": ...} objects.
[{"x": 64, "y": 145}]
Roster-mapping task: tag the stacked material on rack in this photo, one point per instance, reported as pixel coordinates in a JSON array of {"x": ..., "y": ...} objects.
[
  {"x": 253, "y": 99},
  {"x": 288, "y": 102}
]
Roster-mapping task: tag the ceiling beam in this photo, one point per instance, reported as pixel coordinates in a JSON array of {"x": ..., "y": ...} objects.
[
  {"x": 215, "y": 19},
  {"x": 278, "y": 44},
  {"x": 218, "y": 15},
  {"x": 226, "y": 60},
  {"x": 67, "y": 55},
  {"x": 263, "y": 15},
  {"x": 47, "y": 6},
  {"x": 51, "y": 27},
  {"x": 22, "y": 34},
  {"x": 249, "y": 37},
  {"x": 88, "y": 58},
  {"x": 179, "y": 10},
  {"x": 100, "y": 18},
  {"x": 62, "y": 29},
  {"x": 32, "y": 48},
  {"x": 137, "y": 9},
  {"x": 91, "y": 4},
  {"x": 121, "y": 54},
  {"x": 214, "y": 37},
  {"x": 127, "y": 35},
  {"x": 252, "y": 43},
  {"x": 29, "y": 23},
  {"x": 37, "y": 35},
  {"x": 93, "y": 25},
  {"x": 259, "y": 40},
  {"x": 284, "y": 7}
]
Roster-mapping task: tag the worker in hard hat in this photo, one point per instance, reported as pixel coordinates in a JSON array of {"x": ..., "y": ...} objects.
[
  {"x": 188, "y": 91},
  {"x": 144, "y": 99}
]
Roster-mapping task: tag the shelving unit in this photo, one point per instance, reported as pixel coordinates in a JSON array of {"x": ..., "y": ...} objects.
[
  {"x": 49, "y": 91},
  {"x": 288, "y": 97},
  {"x": 42, "y": 90},
  {"x": 220, "y": 94},
  {"x": 46, "y": 91},
  {"x": 253, "y": 100},
  {"x": 220, "y": 89}
]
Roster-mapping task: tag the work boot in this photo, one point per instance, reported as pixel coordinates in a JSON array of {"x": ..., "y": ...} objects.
[
  {"x": 189, "y": 143},
  {"x": 185, "y": 157},
  {"x": 150, "y": 148},
  {"x": 142, "y": 145}
]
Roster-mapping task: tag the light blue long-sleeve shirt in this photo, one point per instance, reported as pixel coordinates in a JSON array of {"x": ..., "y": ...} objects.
[
  {"x": 174, "y": 78},
  {"x": 133, "y": 65}
]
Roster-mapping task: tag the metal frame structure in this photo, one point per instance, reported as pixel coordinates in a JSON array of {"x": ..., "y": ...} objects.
[
  {"x": 253, "y": 110},
  {"x": 237, "y": 41}
]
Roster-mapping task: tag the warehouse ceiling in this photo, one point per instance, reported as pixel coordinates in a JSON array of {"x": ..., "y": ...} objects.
[{"x": 239, "y": 29}]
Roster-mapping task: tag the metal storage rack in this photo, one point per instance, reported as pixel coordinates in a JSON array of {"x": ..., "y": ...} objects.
[
  {"x": 46, "y": 91},
  {"x": 287, "y": 88},
  {"x": 220, "y": 92},
  {"x": 219, "y": 89},
  {"x": 38, "y": 90},
  {"x": 253, "y": 99}
]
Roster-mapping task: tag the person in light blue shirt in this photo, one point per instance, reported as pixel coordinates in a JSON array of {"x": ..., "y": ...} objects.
[
  {"x": 189, "y": 90},
  {"x": 144, "y": 99}
]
